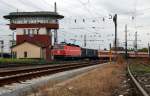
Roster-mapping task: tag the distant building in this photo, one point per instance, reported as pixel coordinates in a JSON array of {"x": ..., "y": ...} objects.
[{"x": 33, "y": 30}]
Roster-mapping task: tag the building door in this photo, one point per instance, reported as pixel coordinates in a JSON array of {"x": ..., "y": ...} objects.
[{"x": 25, "y": 54}]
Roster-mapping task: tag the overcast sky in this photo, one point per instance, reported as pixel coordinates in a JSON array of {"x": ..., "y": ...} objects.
[{"x": 93, "y": 12}]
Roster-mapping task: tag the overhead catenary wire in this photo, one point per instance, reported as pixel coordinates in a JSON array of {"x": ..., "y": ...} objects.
[
  {"x": 30, "y": 5},
  {"x": 86, "y": 29}
]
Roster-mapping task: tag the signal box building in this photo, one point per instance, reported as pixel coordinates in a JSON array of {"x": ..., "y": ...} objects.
[{"x": 33, "y": 33}]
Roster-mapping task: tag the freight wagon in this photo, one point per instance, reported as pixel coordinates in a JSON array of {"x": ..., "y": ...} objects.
[
  {"x": 71, "y": 51},
  {"x": 89, "y": 53}
]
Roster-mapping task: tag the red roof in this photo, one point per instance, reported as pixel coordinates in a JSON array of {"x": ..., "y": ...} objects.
[{"x": 37, "y": 43}]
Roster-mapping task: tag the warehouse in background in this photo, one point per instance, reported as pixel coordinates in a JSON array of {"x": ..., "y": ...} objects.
[{"x": 34, "y": 33}]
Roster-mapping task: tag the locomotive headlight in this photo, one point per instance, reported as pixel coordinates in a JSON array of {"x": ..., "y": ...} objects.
[{"x": 58, "y": 52}]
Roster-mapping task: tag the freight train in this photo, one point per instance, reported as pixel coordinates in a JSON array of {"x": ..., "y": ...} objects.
[{"x": 70, "y": 51}]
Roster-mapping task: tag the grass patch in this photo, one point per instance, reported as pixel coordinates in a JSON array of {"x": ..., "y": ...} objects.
[
  {"x": 99, "y": 82},
  {"x": 24, "y": 61},
  {"x": 7, "y": 60},
  {"x": 139, "y": 67},
  {"x": 4, "y": 61}
]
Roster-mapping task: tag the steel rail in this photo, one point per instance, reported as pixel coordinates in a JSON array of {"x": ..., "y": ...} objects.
[
  {"x": 8, "y": 65},
  {"x": 29, "y": 75},
  {"x": 137, "y": 84},
  {"x": 36, "y": 68}
]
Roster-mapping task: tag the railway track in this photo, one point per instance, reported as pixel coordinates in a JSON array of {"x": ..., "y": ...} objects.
[
  {"x": 136, "y": 84},
  {"x": 13, "y": 65},
  {"x": 13, "y": 76}
]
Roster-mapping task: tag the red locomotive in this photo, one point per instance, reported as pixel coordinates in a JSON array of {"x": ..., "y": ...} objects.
[{"x": 71, "y": 51}]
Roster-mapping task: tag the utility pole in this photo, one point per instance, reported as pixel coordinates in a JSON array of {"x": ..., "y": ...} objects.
[
  {"x": 99, "y": 46},
  {"x": 85, "y": 40},
  {"x": 135, "y": 43},
  {"x": 148, "y": 50},
  {"x": 110, "y": 46},
  {"x": 12, "y": 44},
  {"x": 55, "y": 30},
  {"x": 126, "y": 43},
  {"x": 110, "y": 56},
  {"x": 55, "y": 9},
  {"x": 2, "y": 47},
  {"x": 115, "y": 22}
]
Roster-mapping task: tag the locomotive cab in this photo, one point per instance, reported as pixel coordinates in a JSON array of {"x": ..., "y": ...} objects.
[
  {"x": 58, "y": 50},
  {"x": 66, "y": 51}
]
